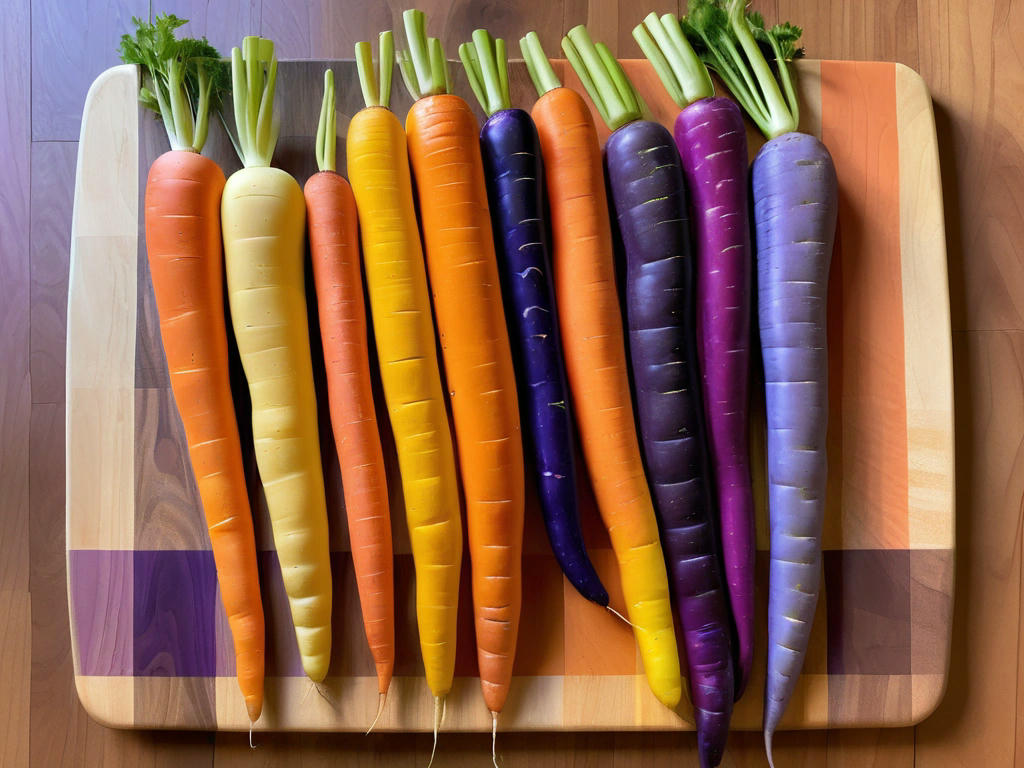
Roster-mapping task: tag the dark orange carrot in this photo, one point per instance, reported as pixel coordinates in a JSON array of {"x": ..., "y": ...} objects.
[
  {"x": 334, "y": 245},
  {"x": 595, "y": 361},
  {"x": 183, "y": 242},
  {"x": 444, "y": 150}
]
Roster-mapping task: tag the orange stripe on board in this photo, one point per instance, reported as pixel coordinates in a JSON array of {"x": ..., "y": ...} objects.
[
  {"x": 867, "y": 412},
  {"x": 595, "y": 641}
]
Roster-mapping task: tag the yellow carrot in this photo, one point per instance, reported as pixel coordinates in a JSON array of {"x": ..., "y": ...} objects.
[
  {"x": 378, "y": 168},
  {"x": 263, "y": 216}
]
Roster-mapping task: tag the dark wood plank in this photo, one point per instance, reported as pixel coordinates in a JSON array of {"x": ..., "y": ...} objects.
[
  {"x": 536, "y": 750},
  {"x": 972, "y": 62},
  {"x": 610, "y": 22},
  {"x": 631, "y": 14},
  {"x": 976, "y": 723},
  {"x": 55, "y": 709},
  {"x": 321, "y": 29},
  {"x": 871, "y": 748},
  {"x": 859, "y": 31},
  {"x": 15, "y": 678},
  {"x": 295, "y": 750},
  {"x": 15, "y": 387},
  {"x": 73, "y": 42},
  {"x": 53, "y": 173},
  {"x": 601, "y": 18}
]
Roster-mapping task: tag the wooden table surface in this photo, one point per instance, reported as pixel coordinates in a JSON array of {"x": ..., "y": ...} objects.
[{"x": 50, "y": 50}]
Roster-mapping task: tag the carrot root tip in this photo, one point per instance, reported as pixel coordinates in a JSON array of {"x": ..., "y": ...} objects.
[
  {"x": 494, "y": 738},
  {"x": 620, "y": 616},
  {"x": 325, "y": 694},
  {"x": 380, "y": 708},
  {"x": 439, "y": 703},
  {"x": 251, "y": 745},
  {"x": 254, "y": 707}
]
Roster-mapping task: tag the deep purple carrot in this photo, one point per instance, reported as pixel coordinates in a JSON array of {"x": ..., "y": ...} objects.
[
  {"x": 795, "y": 206},
  {"x": 515, "y": 189},
  {"x": 712, "y": 143},
  {"x": 645, "y": 180}
]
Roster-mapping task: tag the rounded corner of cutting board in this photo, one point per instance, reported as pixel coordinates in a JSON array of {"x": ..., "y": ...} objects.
[
  {"x": 109, "y": 701},
  {"x": 911, "y": 77}
]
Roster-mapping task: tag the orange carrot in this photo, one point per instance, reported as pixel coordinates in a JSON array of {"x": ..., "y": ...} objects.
[
  {"x": 183, "y": 242},
  {"x": 595, "y": 361},
  {"x": 334, "y": 245},
  {"x": 445, "y": 153}
]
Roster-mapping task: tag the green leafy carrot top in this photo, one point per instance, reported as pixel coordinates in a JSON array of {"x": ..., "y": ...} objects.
[{"x": 183, "y": 79}]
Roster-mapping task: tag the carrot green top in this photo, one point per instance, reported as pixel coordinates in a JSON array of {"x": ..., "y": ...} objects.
[
  {"x": 602, "y": 76},
  {"x": 183, "y": 79},
  {"x": 376, "y": 93},
  {"x": 537, "y": 64},
  {"x": 424, "y": 68},
  {"x": 486, "y": 63},
  {"x": 326, "y": 128},
  {"x": 733, "y": 43},
  {"x": 685, "y": 76},
  {"x": 253, "y": 77}
]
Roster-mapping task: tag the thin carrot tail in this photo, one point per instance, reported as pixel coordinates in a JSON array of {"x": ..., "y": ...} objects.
[
  {"x": 494, "y": 739},
  {"x": 380, "y": 710},
  {"x": 439, "y": 707}
]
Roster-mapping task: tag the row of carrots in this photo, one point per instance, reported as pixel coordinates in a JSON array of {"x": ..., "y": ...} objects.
[{"x": 517, "y": 236}]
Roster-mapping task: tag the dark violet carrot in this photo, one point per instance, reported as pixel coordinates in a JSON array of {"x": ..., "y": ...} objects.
[
  {"x": 515, "y": 186},
  {"x": 645, "y": 178},
  {"x": 712, "y": 143}
]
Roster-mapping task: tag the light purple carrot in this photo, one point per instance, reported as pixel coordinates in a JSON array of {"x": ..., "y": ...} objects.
[{"x": 795, "y": 207}]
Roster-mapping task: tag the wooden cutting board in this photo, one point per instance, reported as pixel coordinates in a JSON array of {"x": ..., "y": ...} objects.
[{"x": 151, "y": 646}]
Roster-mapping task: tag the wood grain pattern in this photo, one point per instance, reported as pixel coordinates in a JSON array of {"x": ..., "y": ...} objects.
[
  {"x": 928, "y": 398},
  {"x": 321, "y": 29},
  {"x": 15, "y": 387},
  {"x": 865, "y": 329},
  {"x": 168, "y": 511},
  {"x": 15, "y": 676},
  {"x": 969, "y": 56},
  {"x": 71, "y": 40},
  {"x": 53, "y": 164},
  {"x": 977, "y": 721},
  {"x": 966, "y": 55},
  {"x": 15, "y": 375},
  {"x": 102, "y": 313}
]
